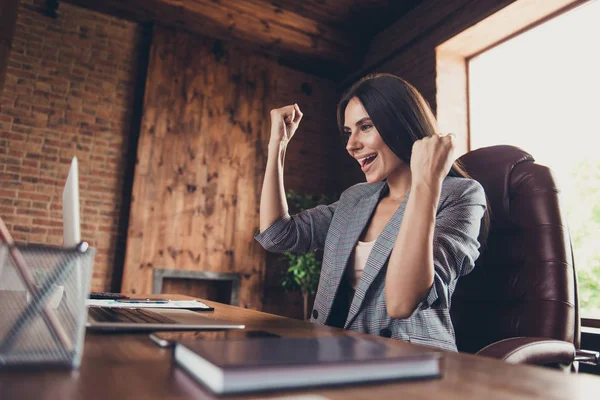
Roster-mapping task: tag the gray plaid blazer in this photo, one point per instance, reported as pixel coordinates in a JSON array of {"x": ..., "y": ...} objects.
[{"x": 336, "y": 228}]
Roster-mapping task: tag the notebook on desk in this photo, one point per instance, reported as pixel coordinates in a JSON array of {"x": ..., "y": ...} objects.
[
  {"x": 110, "y": 317},
  {"x": 257, "y": 364}
]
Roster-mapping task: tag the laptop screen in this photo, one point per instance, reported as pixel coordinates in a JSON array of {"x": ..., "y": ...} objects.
[{"x": 70, "y": 207}]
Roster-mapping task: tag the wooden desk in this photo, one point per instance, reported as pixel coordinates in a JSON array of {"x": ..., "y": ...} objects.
[{"x": 127, "y": 366}]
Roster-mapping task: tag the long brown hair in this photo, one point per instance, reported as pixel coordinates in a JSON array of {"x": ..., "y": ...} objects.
[{"x": 402, "y": 116}]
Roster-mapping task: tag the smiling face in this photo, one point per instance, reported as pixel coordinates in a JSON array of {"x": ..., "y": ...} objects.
[{"x": 376, "y": 159}]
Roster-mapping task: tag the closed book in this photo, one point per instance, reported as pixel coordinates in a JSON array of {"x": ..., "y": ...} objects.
[{"x": 255, "y": 364}]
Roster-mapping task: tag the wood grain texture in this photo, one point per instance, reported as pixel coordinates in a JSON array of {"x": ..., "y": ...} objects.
[
  {"x": 258, "y": 23},
  {"x": 195, "y": 187},
  {"x": 130, "y": 366},
  {"x": 329, "y": 38},
  {"x": 219, "y": 291},
  {"x": 356, "y": 17},
  {"x": 202, "y": 153},
  {"x": 8, "y": 20}
]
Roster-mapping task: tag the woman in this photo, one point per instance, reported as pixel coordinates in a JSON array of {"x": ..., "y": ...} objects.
[{"x": 394, "y": 246}]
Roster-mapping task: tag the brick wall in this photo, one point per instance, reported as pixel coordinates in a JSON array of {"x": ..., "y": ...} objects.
[{"x": 69, "y": 91}]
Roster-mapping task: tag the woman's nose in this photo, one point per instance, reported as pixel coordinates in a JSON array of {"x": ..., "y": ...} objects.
[{"x": 352, "y": 143}]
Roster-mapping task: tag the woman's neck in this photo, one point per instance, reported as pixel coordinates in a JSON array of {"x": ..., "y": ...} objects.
[{"x": 399, "y": 184}]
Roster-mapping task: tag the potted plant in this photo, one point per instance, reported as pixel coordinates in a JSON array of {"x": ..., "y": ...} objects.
[{"x": 303, "y": 270}]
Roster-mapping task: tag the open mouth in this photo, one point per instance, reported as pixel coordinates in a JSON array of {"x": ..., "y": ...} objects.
[{"x": 365, "y": 161}]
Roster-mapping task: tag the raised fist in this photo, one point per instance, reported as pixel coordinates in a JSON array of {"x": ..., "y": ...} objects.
[{"x": 284, "y": 122}]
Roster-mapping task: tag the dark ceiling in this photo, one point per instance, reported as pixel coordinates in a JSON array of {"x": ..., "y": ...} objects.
[{"x": 365, "y": 17}]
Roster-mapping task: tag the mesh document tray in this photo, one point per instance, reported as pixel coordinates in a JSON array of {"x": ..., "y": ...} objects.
[{"x": 62, "y": 278}]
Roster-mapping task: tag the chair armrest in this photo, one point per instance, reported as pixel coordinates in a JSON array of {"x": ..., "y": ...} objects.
[
  {"x": 528, "y": 350},
  {"x": 588, "y": 357}
]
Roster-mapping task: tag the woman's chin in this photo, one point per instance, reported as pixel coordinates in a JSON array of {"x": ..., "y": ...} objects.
[{"x": 373, "y": 178}]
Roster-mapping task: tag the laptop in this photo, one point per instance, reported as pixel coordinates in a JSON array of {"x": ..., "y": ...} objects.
[{"x": 111, "y": 319}]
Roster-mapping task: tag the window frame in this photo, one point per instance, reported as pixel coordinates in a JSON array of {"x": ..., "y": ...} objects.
[{"x": 454, "y": 55}]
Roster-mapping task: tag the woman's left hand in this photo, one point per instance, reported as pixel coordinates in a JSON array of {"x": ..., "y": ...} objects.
[{"x": 431, "y": 159}]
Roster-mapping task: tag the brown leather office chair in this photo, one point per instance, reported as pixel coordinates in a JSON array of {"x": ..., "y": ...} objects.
[{"x": 520, "y": 303}]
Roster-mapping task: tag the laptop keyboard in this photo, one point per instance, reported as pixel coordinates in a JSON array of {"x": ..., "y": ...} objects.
[{"x": 128, "y": 315}]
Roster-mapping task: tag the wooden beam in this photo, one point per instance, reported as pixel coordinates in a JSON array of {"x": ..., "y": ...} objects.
[
  {"x": 353, "y": 16},
  {"x": 8, "y": 20},
  {"x": 334, "y": 12},
  {"x": 257, "y": 22}
]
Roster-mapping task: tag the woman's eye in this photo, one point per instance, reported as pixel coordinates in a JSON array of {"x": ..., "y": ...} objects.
[{"x": 365, "y": 127}]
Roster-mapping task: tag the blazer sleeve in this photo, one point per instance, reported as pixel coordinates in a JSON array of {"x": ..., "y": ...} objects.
[
  {"x": 300, "y": 233},
  {"x": 455, "y": 244}
]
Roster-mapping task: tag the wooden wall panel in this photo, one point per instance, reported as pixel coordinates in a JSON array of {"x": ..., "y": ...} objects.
[{"x": 202, "y": 153}]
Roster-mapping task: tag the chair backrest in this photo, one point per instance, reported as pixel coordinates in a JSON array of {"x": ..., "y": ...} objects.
[{"x": 524, "y": 282}]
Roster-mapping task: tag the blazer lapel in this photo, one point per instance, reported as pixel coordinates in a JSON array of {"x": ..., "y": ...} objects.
[
  {"x": 377, "y": 259},
  {"x": 358, "y": 218}
]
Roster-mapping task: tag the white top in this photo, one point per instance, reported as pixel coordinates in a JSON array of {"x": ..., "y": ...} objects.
[{"x": 359, "y": 260}]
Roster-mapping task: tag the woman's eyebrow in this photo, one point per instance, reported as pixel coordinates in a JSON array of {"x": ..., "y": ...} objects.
[{"x": 360, "y": 121}]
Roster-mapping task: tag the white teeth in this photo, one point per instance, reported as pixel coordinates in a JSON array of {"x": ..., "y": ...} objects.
[{"x": 363, "y": 160}]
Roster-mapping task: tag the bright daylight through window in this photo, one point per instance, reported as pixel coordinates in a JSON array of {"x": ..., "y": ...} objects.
[{"x": 541, "y": 91}]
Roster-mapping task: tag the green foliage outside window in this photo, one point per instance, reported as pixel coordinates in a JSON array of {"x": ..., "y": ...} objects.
[{"x": 582, "y": 200}]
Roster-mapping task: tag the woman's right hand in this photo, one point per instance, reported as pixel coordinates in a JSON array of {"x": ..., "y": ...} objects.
[
  {"x": 284, "y": 122},
  {"x": 273, "y": 205}
]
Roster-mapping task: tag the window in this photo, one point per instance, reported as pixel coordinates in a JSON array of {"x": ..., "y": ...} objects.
[{"x": 540, "y": 91}]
